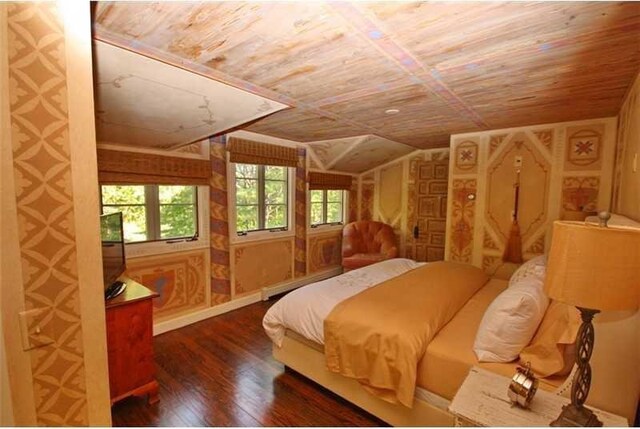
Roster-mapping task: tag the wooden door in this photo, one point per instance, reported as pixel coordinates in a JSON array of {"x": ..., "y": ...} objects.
[{"x": 430, "y": 210}]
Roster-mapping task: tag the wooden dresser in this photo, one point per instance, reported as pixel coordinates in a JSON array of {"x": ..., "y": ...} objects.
[{"x": 130, "y": 343}]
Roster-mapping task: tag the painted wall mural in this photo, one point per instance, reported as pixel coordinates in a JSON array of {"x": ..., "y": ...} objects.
[
  {"x": 219, "y": 226},
  {"x": 325, "y": 251},
  {"x": 565, "y": 173},
  {"x": 179, "y": 278},
  {"x": 259, "y": 264}
]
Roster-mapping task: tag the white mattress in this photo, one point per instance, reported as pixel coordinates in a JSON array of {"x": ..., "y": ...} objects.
[{"x": 304, "y": 310}]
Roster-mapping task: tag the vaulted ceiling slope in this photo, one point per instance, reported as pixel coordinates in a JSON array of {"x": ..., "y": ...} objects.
[
  {"x": 447, "y": 67},
  {"x": 145, "y": 103}
]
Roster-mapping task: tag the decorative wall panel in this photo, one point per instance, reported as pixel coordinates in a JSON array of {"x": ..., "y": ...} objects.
[
  {"x": 584, "y": 147},
  {"x": 325, "y": 251},
  {"x": 466, "y": 156},
  {"x": 462, "y": 218},
  {"x": 219, "y": 227},
  {"x": 261, "y": 264},
  {"x": 179, "y": 279},
  {"x": 301, "y": 215},
  {"x": 45, "y": 207},
  {"x": 580, "y": 193},
  {"x": 564, "y": 168},
  {"x": 534, "y": 187}
]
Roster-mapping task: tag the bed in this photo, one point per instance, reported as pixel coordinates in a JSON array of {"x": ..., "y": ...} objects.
[{"x": 296, "y": 326}]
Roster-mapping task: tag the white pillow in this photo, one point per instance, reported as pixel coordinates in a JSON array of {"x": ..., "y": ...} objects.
[
  {"x": 534, "y": 268},
  {"x": 510, "y": 321}
]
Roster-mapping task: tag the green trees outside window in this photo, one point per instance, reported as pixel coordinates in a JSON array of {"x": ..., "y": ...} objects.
[
  {"x": 153, "y": 212},
  {"x": 261, "y": 197},
  {"x": 327, "y": 206}
]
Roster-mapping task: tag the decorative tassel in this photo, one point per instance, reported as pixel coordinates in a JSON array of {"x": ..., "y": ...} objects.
[{"x": 513, "y": 249}]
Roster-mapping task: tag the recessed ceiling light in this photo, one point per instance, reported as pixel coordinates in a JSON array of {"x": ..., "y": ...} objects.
[{"x": 391, "y": 111}]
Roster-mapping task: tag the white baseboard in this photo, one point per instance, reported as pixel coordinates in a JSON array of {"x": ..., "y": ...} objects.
[
  {"x": 270, "y": 291},
  {"x": 178, "y": 322},
  {"x": 199, "y": 315}
]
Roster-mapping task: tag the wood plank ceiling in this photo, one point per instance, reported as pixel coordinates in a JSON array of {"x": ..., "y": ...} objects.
[{"x": 447, "y": 67}]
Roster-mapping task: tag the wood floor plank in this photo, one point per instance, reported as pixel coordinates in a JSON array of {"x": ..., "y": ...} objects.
[{"x": 220, "y": 372}]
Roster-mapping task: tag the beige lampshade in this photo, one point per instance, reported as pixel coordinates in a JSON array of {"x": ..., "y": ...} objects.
[{"x": 594, "y": 267}]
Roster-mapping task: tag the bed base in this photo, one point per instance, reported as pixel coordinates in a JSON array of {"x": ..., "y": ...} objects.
[{"x": 311, "y": 363}]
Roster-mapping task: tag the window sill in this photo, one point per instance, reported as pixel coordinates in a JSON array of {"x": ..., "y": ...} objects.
[
  {"x": 140, "y": 250},
  {"x": 323, "y": 229},
  {"x": 261, "y": 236}
]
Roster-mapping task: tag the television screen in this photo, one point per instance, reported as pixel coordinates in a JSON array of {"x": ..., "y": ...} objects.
[{"x": 113, "y": 260}]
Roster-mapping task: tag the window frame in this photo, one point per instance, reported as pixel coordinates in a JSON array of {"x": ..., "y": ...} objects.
[
  {"x": 174, "y": 244},
  {"x": 267, "y": 233},
  {"x": 327, "y": 226}
]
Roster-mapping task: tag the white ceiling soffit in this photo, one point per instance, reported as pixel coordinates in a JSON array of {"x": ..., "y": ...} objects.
[
  {"x": 357, "y": 154},
  {"x": 144, "y": 102}
]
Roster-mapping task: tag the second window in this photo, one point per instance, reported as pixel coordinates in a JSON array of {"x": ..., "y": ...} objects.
[
  {"x": 261, "y": 198},
  {"x": 327, "y": 207}
]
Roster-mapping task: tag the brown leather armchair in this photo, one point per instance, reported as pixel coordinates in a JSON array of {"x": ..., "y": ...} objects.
[{"x": 366, "y": 242}]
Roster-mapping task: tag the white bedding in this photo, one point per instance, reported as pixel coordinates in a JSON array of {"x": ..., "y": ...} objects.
[{"x": 305, "y": 309}]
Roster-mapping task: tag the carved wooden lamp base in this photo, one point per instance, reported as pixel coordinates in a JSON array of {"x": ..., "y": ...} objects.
[{"x": 576, "y": 414}]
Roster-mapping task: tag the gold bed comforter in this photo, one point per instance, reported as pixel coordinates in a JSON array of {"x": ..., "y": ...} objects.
[{"x": 378, "y": 336}]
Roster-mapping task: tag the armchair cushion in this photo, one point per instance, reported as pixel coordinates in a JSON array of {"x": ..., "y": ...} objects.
[{"x": 367, "y": 242}]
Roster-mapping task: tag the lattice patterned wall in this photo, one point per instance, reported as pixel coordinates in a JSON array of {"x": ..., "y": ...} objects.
[{"x": 567, "y": 168}]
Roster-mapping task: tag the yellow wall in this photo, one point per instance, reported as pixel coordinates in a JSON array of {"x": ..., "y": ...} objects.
[
  {"x": 260, "y": 264},
  {"x": 51, "y": 245},
  {"x": 567, "y": 168},
  {"x": 627, "y": 173}
]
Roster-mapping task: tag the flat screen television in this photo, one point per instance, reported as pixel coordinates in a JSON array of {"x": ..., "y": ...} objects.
[{"x": 113, "y": 259}]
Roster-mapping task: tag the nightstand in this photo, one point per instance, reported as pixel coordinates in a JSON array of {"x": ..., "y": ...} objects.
[
  {"x": 130, "y": 343},
  {"x": 482, "y": 401}
]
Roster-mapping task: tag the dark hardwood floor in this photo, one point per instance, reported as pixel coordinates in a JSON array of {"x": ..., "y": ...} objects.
[{"x": 220, "y": 372}]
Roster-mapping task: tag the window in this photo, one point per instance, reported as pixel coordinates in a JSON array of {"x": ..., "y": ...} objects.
[
  {"x": 153, "y": 212},
  {"x": 262, "y": 195},
  {"x": 327, "y": 207}
]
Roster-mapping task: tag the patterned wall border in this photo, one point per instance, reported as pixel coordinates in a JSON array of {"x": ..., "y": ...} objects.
[
  {"x": 366, "y": 201},
  {"x": 301, "y": 215},
  {"x": 45, "y": 208},
  {"x": 219, "y": 223}
]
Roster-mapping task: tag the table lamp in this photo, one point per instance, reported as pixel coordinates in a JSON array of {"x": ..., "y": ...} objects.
[{"x": 595, "y": 268}]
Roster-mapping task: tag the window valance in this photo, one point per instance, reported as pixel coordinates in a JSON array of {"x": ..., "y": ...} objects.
[
  {"x": 134, "y": 167},
  {"x": 318, "y": 180},
  {"x": 253, "y": 152}
]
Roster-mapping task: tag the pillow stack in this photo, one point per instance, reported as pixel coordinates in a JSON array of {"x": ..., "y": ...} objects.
[{"x": 512, "y": 319}]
